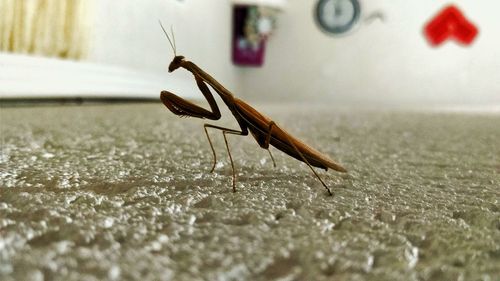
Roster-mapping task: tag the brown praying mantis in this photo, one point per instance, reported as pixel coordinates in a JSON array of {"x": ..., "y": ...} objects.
[{"x": 265, "y": 131}]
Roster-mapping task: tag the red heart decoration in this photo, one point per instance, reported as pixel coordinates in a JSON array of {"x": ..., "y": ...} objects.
[{"x": 450, "y": 23}]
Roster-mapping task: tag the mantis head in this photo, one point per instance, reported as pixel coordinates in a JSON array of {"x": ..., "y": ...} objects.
[{"x": 176, "y": 63}]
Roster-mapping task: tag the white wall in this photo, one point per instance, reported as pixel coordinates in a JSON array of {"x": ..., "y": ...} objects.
[
  {"x": 127, "y": 33},
  {"x": 381, "y": 63},
  {"x": 128, "y": 53}
]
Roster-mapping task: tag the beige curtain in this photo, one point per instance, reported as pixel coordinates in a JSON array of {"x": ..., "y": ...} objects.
[{"x": 54, "y": 28}]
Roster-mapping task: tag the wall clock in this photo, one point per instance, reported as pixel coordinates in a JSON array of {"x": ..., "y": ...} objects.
[{"x": 337, "y": 17}]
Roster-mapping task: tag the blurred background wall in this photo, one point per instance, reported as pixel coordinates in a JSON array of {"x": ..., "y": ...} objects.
[
  {"x": 387, "y": 62},
  {"x": 126, "y": 53},
  {"x": 383, "y": 62},
  {"x": 127, "y": 33}
]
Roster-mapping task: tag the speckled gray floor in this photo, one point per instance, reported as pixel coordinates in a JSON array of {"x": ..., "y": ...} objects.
[{"x": 122, "y": 192}]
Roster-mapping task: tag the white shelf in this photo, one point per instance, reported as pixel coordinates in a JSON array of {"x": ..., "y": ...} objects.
[{"x": 24, "y": 76}]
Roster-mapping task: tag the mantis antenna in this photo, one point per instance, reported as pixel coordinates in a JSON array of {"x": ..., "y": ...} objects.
[
  {"x": 173, "y": 38},
  {"x": 168, "y": 37}
]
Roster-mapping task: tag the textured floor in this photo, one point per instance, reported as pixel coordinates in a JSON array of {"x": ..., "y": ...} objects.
[{"x": 122, "y": 192}]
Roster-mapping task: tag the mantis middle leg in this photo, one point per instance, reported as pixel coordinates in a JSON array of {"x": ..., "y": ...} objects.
[{"x": 225, "y": 131}]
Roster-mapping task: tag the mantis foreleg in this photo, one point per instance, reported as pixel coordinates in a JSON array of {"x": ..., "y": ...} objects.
[{"x": 182, "y": 107}]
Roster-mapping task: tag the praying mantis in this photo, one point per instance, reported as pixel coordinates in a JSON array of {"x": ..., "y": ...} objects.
[{"x": 265, "y": 131}]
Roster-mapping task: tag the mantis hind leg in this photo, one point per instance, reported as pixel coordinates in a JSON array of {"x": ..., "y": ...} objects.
[
  {"x": 224, "y": 132},
  {"x": 268, "y": 140},
  {"x": 265, "y": 145}
]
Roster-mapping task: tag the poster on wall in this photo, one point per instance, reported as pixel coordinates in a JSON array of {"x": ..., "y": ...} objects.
[
  {"x": 252, "y": 25},
  {"x": 450, "y": 23}
]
